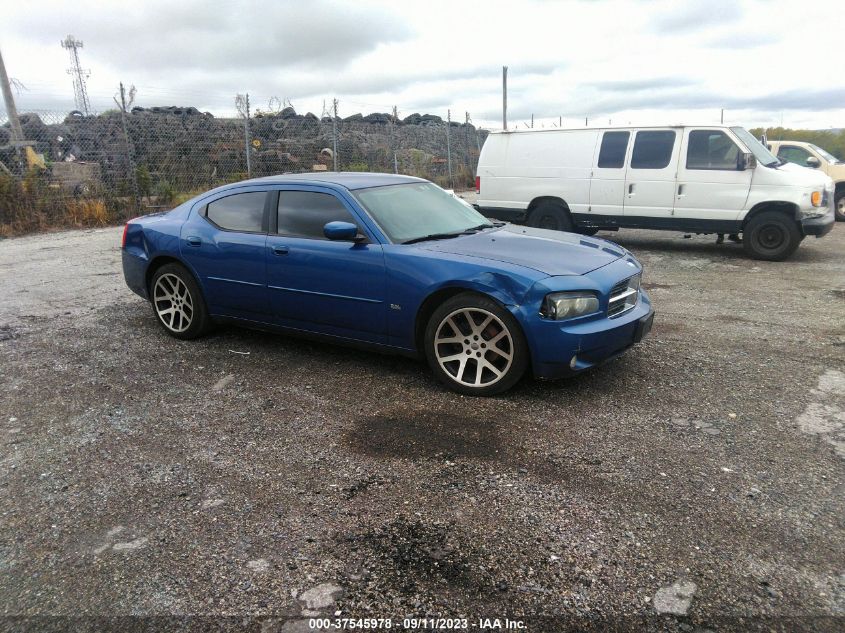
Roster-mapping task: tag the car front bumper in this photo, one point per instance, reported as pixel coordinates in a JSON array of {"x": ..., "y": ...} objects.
[
  {"x": 590, "y": 343},
  {"x": 821, "y": 225}
]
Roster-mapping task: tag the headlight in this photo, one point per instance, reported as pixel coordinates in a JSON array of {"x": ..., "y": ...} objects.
[{"x": 568, "y": 305}]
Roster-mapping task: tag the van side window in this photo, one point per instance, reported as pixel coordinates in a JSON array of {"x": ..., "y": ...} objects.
[
  {"x": 711, "y": 149},
  {"x": 652, "y": 149},
  {"x": 613, "y": 148}
]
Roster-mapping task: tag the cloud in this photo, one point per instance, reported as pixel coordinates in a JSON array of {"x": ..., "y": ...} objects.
[
  {"x": 172, "y": 37},
  {"x": 636, "y": 85},
  {"x": 697, "y": 15},
  {"x": 741, "y": 40}
]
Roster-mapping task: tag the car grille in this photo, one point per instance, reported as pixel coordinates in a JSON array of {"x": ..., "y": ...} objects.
[{"x": 619, "y": 295}]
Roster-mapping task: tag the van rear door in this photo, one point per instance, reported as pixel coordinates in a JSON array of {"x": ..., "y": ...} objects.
[{"x": 651, "y": 175}]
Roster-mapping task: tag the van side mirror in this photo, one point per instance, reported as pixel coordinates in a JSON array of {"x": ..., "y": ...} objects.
[
  {"x": 745, "y": 161},
  {"x": 813, "y": 162}
]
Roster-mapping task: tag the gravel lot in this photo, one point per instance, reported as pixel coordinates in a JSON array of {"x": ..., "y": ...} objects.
[{"x": 696, "y": 483}]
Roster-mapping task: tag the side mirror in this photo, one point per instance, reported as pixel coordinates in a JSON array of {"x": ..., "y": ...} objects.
[
  {"x": 342, "y": 231},
  {"x": 745, "y": 161},
  {"x": 813, "y": 162}
]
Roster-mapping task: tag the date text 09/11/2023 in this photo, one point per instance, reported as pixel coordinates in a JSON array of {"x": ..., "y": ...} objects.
[{"x": 414, "y": 624}]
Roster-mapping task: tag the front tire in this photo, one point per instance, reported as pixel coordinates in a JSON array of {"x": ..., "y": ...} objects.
[
  {"x": 839, "y": 206},
  {"x": 178, "y": 302},
  {"x": 474, "y": 346},
  {"x": 771, "y": 236},
  {"x": 548, "y": 215}
]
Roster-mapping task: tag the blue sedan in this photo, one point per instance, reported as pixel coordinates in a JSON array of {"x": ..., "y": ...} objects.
[{"x": 393, "y": 263}]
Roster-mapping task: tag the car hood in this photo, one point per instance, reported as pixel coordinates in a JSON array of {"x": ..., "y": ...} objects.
[{"x": 550, "y": 252}]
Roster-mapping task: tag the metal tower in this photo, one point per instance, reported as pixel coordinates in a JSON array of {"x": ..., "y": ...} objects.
[{"x": 80, "y": 92}]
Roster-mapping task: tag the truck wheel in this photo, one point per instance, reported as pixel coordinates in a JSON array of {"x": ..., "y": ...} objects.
[
  {"x": 839, "y": 206},
  {"x": 548, "y": 215},
  {"x": 772, "y": 236}
]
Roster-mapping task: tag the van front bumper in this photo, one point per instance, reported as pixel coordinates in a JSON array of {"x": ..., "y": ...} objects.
[{"x": 819, "y": 226}]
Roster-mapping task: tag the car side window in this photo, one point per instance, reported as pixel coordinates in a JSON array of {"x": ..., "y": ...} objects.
[
  {"x": 793, "y": 154},
  {"x": 711, "y": 149},
  {"x": 652, "y": 149},
  {"x": 240, "y": 212},
  {"x": 305, "y": 213},
  {"x": 613, "y": 148}
]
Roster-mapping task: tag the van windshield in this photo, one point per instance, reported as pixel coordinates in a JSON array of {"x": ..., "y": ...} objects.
[{"x": 763, "y": 156}]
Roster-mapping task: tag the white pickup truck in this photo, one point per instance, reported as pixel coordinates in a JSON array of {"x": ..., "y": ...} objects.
[{"x": 814, "y": 157}]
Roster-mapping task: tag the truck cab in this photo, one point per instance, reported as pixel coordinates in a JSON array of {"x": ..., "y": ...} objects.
[{"x": 814, "y": 157}]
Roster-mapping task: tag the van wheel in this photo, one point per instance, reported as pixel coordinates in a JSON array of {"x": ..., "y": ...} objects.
[
  {"x": 839, "y": 206},
  {"x": 548, "y": 215},
  {"x": 589, "y": 232},
  {"x": 772, "y": 236}
]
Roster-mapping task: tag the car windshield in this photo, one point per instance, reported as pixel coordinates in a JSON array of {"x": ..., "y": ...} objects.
[
  {"x": 763, "y": 156},
  {"x": 419, "y": 210},
  {"x": 828, "y": 157}
]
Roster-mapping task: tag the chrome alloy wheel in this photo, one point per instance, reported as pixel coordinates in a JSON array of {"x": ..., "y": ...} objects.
[
  {"x": 474, "y": 347},
  {"x": 173, "y": 303}
]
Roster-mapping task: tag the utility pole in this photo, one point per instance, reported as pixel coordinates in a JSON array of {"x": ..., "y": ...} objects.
[
  {"x": 11, "y": 110},
  {"x": 504, "y": 97},
  {"x": 80, "y": 92},
  {"x": 395, "y": 159},
  {"x": 130, "y": 154},
  {"x": 246, "y": 136},
  {"x": 532, "y": 120},
  {"x": 449, "y": 146},
  {"x": 722, "y": 118},
  {"x": 334, "y": 132}
]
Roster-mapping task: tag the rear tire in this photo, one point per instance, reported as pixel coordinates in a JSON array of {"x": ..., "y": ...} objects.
[
  {"x": 772, "y": 236},
  {"x": 178, "y": 302},
  {"x": 548, "y": 215},
  {"x": 475, "y": 346},
  {"x": 839, "y": 206}
]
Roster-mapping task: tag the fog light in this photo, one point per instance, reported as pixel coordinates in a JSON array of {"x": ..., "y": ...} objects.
[{"x": 573, "y": 362}]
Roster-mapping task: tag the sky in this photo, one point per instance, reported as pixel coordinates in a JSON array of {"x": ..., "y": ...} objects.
[{"x": 635, "y": 62}]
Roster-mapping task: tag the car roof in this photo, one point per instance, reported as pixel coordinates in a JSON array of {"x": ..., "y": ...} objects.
[{"x": 349, "y": 179}]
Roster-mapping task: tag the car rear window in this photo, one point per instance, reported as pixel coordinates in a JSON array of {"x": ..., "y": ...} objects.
[
  {"x": 305, "y": 213},
  {"x": 240, "y": 212},
  {"x": 613, "y": 148},
  {"x": 652, "y": 149}
]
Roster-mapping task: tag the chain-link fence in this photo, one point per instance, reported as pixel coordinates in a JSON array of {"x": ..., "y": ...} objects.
[{"x": 75, "y": 170}]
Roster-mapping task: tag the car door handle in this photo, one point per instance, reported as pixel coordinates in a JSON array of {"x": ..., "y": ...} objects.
[
  {"x": 631, "y": 189},
  {"x": 680, "y": 191},
  {"x": 281, "y": 250},
  {"x": 193, "y": 241}
]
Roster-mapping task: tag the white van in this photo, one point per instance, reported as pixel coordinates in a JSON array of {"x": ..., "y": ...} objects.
[{"x": 706, "y": 179}]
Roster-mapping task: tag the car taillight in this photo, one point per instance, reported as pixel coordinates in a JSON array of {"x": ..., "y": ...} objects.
[
  {"x": 478, "y": 184},
  {"x": 123, "y": 239}
]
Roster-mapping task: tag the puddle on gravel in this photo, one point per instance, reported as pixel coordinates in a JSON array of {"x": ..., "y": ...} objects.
[{"x": 425, "y": 434}]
